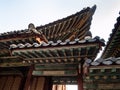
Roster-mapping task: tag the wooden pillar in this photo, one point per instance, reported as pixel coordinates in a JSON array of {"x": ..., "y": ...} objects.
[
  {"x": 41, "y": 83},
  {"x": 80, "y": 77},
  {"x": 48, "y": 83},
  {"x": 80, "y": 82},
  {"x": 28, "y": 78}
]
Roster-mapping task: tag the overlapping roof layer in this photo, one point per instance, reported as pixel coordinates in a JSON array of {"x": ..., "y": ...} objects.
[
  {"x": 69, "y": 43},
  {"x": 112, "y": 48}
]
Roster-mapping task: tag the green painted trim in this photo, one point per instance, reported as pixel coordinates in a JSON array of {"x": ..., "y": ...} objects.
[
  {"x": 16, "y": 64},
  {"x": 102, "y": 70},
  {"x": 55, "y": 73},
  {"x": 113, "y": 70},
  {"x": 56, "y": 66}
]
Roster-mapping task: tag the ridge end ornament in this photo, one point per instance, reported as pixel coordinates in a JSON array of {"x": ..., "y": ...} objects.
[{"x": 38, "y": 34}]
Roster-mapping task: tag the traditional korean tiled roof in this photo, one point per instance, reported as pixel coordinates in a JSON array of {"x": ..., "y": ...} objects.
[
  {"x": 112, "y": 48},
  {"x": 52, "y": 52},
  {"x": 104, "y": 71},
  {"x": 58, "y": 43},
  {"x": 58, "y": 52},
  {"x": 71, "y": 27},
  {"x": 106, "y": 62},
  {"x": 103, "y": 74}
]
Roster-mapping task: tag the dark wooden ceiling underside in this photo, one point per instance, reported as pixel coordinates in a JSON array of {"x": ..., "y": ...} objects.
[{"x": 74, "y": 26}]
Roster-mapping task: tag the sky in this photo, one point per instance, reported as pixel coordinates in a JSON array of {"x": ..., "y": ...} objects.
[{"x": 17, "y": 14}]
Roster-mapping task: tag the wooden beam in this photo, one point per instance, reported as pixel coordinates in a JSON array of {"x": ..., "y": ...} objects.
[
  {"x": 54, "y": 30},
  {"x": 55, "y": 66},
  {"x": 63, "y": 26},
  {"x": 109, "y": 86},
  {"x": 68, "y": 57},
  {"x": 57, "y": 30},
  {"x": 10, "y": 57},
  {"x": 105, "y": 67},
  {"x": 17, "y": 38},
  {"x": 80, "y": 77},
  {"x": 28, "y": 80},
  {"x": 48, "y": 83},
  {"x": 55, "y": 73},
  {"x": 17, "y": 64}
]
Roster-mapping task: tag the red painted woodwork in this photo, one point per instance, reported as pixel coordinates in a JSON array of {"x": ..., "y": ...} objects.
[
  {"x": 29, "y": 75},
  {"x": 10, "y": 82}
]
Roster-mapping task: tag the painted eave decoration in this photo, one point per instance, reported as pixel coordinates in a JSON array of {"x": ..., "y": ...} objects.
[
  {"x": 59, "y": 52},
  {"x": 103, "y": 74}
]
